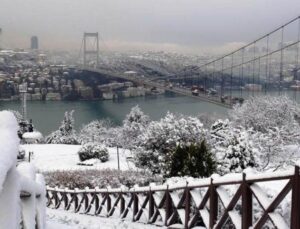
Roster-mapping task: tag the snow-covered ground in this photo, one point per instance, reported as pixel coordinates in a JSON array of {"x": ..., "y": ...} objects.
[
  {"x": 49, "y": 157},
  {"x": 58, "y": 219}
]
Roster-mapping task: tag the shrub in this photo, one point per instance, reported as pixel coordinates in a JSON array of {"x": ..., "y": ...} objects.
[
  {"x": 98, "y": 178},
  {"x": 194, "y": 160},
  {"x": 92, "y": 150}
]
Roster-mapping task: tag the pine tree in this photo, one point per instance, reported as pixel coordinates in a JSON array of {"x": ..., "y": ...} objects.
[
  {"x": 66, "y": 133},
  {"x": 194, "y": 160}
]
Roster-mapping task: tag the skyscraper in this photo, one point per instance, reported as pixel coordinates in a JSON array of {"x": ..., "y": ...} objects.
[{"x": 34, "y": 42}]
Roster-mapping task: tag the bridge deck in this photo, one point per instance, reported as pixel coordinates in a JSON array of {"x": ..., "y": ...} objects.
[{"x": 203, "y": 97}]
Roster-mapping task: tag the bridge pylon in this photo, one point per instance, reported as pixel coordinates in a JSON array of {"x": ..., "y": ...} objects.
[{"x": 91, "y": 48}]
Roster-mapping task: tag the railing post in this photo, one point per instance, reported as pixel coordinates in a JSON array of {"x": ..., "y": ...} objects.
[
  {"x": 151, "y": 204},
  {"x": 75, "y": 200},
  {"x": 55, "y": 198},
  {"x": 108, "y": 204},
  {"x": 135, "y": 205},
  {"x": 187, "y": 206},
  {"x": 122, "y": 203},
  {"x": 213, "y": 204},
  {"x": 168, "y": 206},
  {"x": 246, "y": 204},
  {"x": 66, "y": 201},
  {"x": 295, "y": 214},
  {"x": 97, "y": 204},
  {"x": 86, "y": 202}
]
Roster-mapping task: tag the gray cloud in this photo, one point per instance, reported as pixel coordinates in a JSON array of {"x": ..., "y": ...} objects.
[{"x": 179, "y": 25}]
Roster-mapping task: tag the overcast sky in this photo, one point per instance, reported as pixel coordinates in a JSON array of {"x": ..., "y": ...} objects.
[{"x": 172, "y": 25}]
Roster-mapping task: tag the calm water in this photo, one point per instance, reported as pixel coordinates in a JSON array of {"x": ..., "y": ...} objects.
[{"x": 47, "y": 115}]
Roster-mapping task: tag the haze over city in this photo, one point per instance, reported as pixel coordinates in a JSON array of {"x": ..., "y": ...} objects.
[{"x": 189, "y": 26}]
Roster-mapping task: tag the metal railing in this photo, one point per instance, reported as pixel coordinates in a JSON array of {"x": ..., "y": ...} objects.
[{"x": 239, "y": 201}]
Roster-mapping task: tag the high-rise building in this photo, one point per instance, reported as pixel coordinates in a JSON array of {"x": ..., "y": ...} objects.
[{"x": 34, "y": 42}]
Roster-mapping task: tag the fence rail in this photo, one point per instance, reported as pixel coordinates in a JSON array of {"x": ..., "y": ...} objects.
[{"x": 236, "y": 201}]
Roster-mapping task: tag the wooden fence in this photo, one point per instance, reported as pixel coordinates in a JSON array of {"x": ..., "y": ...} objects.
[{"x": 235, "y": 201}]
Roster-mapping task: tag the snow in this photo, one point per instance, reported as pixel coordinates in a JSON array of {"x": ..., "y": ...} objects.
[
  {"x": 41, "y": 202},
  {"x": 33, "y": 207},
  {"x": 9, "y": 197},
  {"x": 50, "y": 157},
  {"x": 32, "y": 135},
  {"x": 9, "y": 182},
  {"x": 205, "y": 216},
  {"x": 223, "y": 194},
  {"x": 236, "y": 219},
  {"x": 9, "y": 143},
  {"x": 66, "y": 220},
  {"x": 278, "y": 220},
  {"x": 261, "y": 195}
]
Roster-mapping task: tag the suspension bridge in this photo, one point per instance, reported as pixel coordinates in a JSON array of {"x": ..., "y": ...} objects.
[{"x": 269, "y": 64}]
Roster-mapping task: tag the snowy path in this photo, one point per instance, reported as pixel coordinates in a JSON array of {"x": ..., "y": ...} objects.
[
  {"x": 49, "y": 157},
  {"x": 58, "y": 219}
]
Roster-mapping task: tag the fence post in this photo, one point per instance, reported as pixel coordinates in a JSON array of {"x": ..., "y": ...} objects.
[
  {"x": 75, "y": 200},
  {"x": 295, "y": 214},
  {"x": 122, "y": 203},
  {"x": 56, "y": 198},
  {"x": 168, "y": 206},
  {"x": 135, "y": 205},
  {"x": 246, "y": 204},
  {"x": 97, "y": 204},
  {"x": 213, "y": 204},
  {"x": 66, "y": 198},
  {"x": 108, "y": 204},
  {"x": 151, "y": 204},
  {"x": 187, "y": 206}
]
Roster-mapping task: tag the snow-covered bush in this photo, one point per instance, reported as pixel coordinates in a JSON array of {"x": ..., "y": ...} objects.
[
  {"x": 157, "y": 143},
  {"x": 93, "y": 151},
  {"x": 133, "y": 125},
  {"x": 95, "y": 131},
  {"x": 233, "y": 147},
  {"x": 98, "y": 178},
  {"x": 66, "y": 133}
]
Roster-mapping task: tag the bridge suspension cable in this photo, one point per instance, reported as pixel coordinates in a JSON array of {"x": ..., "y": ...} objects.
[{"x": 271, "y": 52}]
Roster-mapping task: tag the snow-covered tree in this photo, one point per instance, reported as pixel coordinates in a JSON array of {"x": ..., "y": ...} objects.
[
  {"x": 157, "y": 144},
  {"x": 95, "y": 131},
  {"x": 274, "y": 124},
  {"x": 232, "y": 146},
  {"x": 278, "y": 147},
  {"x": 264, "y": 112},
  {"x": 66, "y": 133},
  {"x": 133, "y": 126}
]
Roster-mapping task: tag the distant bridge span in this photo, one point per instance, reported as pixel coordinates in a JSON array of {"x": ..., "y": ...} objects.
[
  {"x": 148, "y": 82},
  {"x": 268, "y": 63}
]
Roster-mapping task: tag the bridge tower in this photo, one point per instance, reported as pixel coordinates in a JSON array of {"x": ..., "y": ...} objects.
[{"x": 90, "y": 48}]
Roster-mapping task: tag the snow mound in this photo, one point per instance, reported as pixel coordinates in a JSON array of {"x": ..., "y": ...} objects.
[{"x": 9, "y": 143}]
